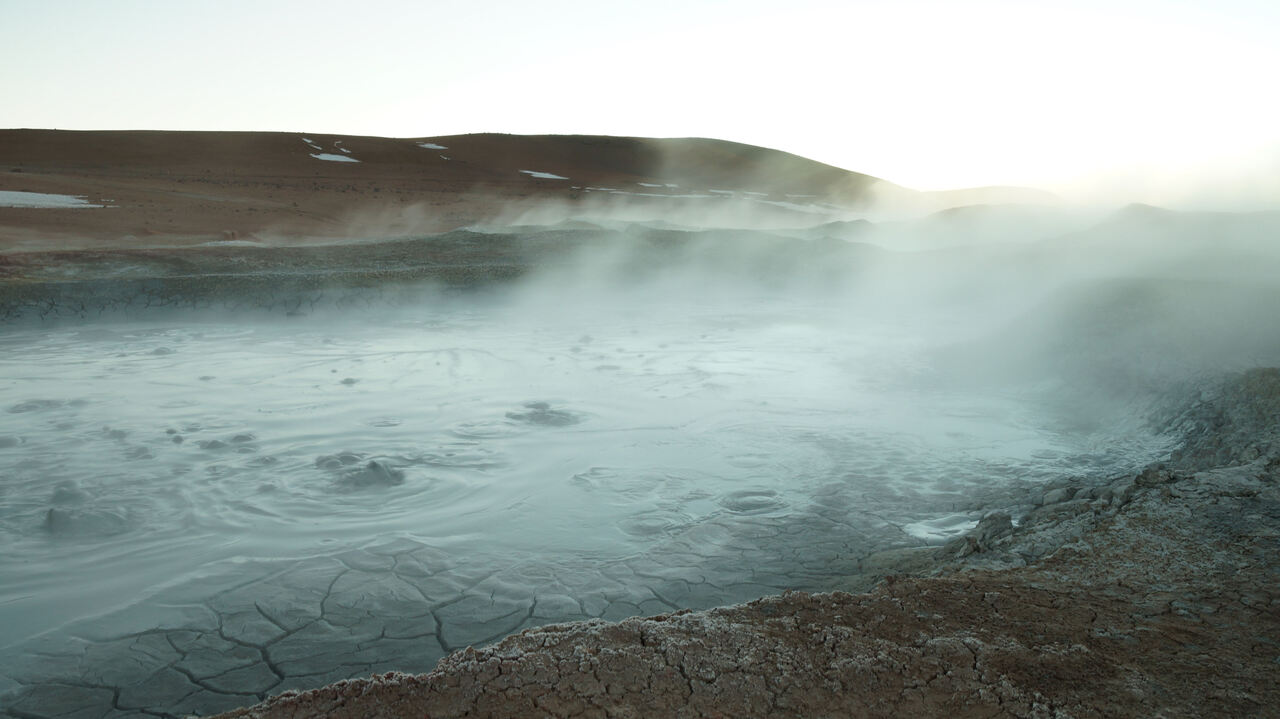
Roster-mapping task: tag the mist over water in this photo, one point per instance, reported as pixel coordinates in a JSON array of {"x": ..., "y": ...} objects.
[{"x": 628, "y": 406}]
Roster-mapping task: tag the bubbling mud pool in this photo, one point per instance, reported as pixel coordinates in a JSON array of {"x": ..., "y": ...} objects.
[{"x": 278, "y": 503}]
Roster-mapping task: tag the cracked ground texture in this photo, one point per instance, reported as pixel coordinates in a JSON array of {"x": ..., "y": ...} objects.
[
  {"x": 200, "y": 648},
  {"x": 1164, "y": 601},
  {"x": 239, "y": 632}
]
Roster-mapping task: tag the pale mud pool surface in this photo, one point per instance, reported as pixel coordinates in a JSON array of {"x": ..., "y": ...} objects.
[{"x": 198, "y": 514}]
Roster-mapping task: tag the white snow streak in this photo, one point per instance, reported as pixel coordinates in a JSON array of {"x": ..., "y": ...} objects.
[
  {"x": 13, "y": 198},
  {"x": 333, "y": 158}
]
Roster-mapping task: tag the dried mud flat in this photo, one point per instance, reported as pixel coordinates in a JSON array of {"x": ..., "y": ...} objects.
[{"x": 1152, "y": 595}]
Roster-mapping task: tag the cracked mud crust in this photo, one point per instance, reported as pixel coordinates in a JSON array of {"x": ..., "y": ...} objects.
[{"x": 1154, "y": 595}]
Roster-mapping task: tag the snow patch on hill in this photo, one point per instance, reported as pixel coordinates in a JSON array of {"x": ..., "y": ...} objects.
[
  {"x": 13, "y": 198},
  {"x": 332, "y": 157}
]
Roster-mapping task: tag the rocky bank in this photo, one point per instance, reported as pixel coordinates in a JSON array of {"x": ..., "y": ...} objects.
[{"x": 1149, "y": 595}]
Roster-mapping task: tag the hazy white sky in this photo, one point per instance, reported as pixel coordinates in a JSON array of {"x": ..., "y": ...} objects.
[{"x": 1137, "y": 96}]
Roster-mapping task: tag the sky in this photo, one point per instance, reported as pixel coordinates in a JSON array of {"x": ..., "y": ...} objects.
[{"x": 1154, "y": 100}]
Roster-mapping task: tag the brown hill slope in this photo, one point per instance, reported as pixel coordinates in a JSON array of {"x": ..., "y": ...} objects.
[{"x": 165, "y": 188}]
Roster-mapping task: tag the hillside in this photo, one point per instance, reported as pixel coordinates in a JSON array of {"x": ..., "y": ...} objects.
[{"x": 164, "y": 188}]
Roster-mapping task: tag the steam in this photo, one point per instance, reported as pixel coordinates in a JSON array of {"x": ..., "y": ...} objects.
[
  {"x": 992, "y": 284},
  {"x": 1073, "y": 298}
]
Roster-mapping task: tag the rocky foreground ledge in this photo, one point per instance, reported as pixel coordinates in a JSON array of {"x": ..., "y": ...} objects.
[{"x": 1149, "y": 595}]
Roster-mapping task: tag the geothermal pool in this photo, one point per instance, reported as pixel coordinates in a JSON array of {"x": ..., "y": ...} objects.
[{"x": 200, "y": 512}]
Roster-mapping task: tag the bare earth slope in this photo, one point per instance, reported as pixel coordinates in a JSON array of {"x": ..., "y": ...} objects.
[
  {"x": 1157, "y": 595},
  {"x": 166, "y": 188}
]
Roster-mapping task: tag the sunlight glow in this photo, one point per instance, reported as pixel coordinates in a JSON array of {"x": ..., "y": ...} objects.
[{"x": 925, "y": 93}]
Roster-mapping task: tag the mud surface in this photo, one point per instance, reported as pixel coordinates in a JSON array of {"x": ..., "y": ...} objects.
[{"x": 1147, "y": 595}]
